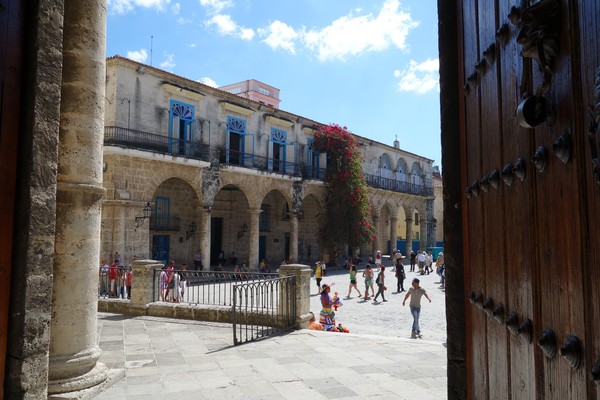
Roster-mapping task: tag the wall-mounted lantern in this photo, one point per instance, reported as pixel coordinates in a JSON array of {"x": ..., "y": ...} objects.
[
  {"x": 191, "y": 230},
  {"x": 243, "y": 230},
  {"x": 139, "y": 221}
]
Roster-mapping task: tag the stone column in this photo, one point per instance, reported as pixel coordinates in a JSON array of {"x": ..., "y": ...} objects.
[
  {"x": 73, "y": 359},
  {"x": 205, "y": 216},
  {"x": 294, "y": 236},
  {"x": 431, "y": 223},
  {"x": 375, "y": 246},
  {"x": 253, "y": 233},
  {"x": 409, "y": 227},
  {"x": 424, "y": 229},
  {"x": 144, "y": 286},
  {"x": 393, "y": 233},
  {"x": 302, "y": 273}
]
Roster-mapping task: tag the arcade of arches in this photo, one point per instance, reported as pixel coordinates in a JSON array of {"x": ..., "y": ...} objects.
[{"x": 212, "y": 208}]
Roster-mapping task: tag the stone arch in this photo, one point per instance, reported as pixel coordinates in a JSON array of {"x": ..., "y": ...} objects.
[
  {"x": 188, "y": 175},
  {"x": 402, "y": 166},
  {"x": 244, "y": 184},
  {"x": 416, "y": 174},
  {"x": 402, "y": 170},
  {"x": 230, "y": 217},
  {"x": 386, "y": 162}
]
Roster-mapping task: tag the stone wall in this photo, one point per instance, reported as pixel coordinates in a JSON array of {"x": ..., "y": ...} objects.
[{"x": 33, "y": 256}]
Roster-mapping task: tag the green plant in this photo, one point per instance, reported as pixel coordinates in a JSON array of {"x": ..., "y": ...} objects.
[{"x": 347, "y": 207}]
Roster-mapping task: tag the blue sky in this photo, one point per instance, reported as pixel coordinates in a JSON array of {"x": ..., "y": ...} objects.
[{"x": 370, "y": 65}]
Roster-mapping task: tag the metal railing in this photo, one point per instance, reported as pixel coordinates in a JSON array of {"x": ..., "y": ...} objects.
[
  {"x": 201, "y": 287},
  {"x": 130, "y": 138},
  {"x": 397, "y": 186},
  {"x": 310, "y": 172},
  {"x": 173, "y": 223},
  {"x": 249, "y": 160},
  {"x": 118, "y": 287},
  {"x": 263, "y": 308}
]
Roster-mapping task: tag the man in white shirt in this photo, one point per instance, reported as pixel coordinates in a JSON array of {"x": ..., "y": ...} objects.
[{"x": 421, "y": 257}]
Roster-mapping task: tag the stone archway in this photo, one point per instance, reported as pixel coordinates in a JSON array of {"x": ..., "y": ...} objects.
[
  {"x": 230, "y": 225},
  {"x": 174, "y": 221}
]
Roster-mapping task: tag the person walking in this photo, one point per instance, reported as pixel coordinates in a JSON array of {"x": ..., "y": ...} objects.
[
  {"x": 415, "y": 293},
  {"x": 428, "y": 262},
  {"x": 380, "y": 281},
  {"x": 421, "y": 261},
  {"x": 400, "y": 276},
  {"x": 318, "y": 275},
  {"x": 368, "y": 275},
  {"x": 378, "y": 259},
  {"x": 413, "y": 260},
  {"x": 352, "y": 275}
]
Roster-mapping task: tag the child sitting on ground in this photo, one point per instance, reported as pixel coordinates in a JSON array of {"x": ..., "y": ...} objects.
[{"x": 314, "y": 325}]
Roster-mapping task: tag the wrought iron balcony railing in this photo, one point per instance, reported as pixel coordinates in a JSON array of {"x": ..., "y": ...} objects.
[
  {"x": 129, "y": 138},
  {"x": 249, "y": 160},
  {"x": 397, "y": 186}
]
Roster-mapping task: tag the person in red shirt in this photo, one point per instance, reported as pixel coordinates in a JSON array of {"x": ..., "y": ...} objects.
[
  {"x": 128, "y": 281},
  {"x": 112, "y": 277}
]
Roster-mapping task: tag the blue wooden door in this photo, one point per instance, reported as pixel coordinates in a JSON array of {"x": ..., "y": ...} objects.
[{"x": 160, "y": 248}]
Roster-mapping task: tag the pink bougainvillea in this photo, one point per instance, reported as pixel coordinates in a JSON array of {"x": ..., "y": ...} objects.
[{"x": 347, "y": 206}]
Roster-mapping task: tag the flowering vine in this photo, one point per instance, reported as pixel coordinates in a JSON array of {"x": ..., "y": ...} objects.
[{"x": 347, "y": 207}]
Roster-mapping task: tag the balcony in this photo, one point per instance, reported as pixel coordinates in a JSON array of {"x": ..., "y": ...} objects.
[
  {"x": 132, "y": 139},
  {"x": 397, "y": 186},
  {"x": 252, "y": 161},
  {"x": 171, "y": 223}
]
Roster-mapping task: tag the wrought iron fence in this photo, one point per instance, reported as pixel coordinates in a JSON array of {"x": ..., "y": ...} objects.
[
  {"x": 397, "y": 186},
  {"x": 202, "y": 287},
  {"x": 130, "y": 138},
  {"x": 263, "y": 308},
  {"x": 114, "y": 284},
  {"x": 250, "y": 160}
]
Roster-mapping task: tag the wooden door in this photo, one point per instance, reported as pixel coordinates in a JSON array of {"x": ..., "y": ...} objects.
[
  {"x": 530, "y": 200},
  {"x": 11, "y": 42}
]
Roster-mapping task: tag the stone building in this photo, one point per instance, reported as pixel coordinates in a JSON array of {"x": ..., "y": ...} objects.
[{"x": 223, "y": 172}]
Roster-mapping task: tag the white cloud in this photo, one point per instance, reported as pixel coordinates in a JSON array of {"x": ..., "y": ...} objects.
[
  {"x": 280, "y": 35},
  {"x": 176, "y": 8},
  {"x": 183, "y": 21},
  {"x": 420, "y": 78},
  {"x": 208, "y": 81},
  {"x": 216, "y": 6},
  {"x": 139, "y": 56},
  {"x": 350, "y": 35},
  {"x": 169, "y": 62},
  {"x": 124, "y": 6},
  {"x": 228, "y": 27}
]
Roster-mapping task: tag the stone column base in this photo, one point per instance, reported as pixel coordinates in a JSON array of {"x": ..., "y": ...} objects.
[
  {"x": 114, "y": 375},
  {"x": 70, "y": 386}
]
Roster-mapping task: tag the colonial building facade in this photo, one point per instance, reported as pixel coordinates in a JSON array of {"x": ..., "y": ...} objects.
[{"x": 220, "y": 172}]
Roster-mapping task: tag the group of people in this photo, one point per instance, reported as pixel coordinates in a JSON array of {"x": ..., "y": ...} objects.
[
  {"x": 376, "y": 276},
  {"x": 173, "y": 283},
  {"x": 114, "y": 280}
]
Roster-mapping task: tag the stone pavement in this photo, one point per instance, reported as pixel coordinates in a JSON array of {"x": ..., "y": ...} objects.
[
  {"x": 388, "y": 319},
  {"x": 181, "y": 359}
]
